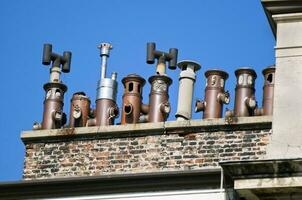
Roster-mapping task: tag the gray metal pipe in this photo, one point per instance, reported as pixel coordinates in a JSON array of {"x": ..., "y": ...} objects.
[
  {"x": 186, "y": 88},
  {"x": 106, "y": 108},
  {"x": 104, "y": 53}
]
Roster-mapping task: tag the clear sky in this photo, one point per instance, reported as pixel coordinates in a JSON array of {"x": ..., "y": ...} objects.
[{"x": 218, "y": 34}]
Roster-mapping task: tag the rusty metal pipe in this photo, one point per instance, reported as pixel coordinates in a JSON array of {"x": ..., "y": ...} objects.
[
  {"x": 215, "y": 96},
  {"x": 268, "y": 90},
  {"x": 159, "y": 106},
  {"x": 79, "y": 110},
  {"x": 186, "y": 88},
  {"x": 106, "y": 112},
  {"x": 53, "y": 115},
  {"x": 245, "y": 102},
  {"x": 199, "y": 105},
  {"x": 132, "y": 98}
]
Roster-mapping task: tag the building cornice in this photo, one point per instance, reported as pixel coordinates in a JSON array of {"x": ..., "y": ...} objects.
[{"x": 276, "y": 7}]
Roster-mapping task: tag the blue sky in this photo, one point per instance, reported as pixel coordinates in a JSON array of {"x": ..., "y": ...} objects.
[{"x": 218, "y": 34}]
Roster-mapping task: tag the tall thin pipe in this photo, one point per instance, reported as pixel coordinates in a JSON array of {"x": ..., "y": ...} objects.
[{"x": 106, "y": 108}]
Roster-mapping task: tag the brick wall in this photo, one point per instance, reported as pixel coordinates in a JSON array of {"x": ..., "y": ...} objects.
[{"x": 148, "y": 152}]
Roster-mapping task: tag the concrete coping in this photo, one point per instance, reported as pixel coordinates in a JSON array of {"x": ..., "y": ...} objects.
[{"x": 146, "y": 129}]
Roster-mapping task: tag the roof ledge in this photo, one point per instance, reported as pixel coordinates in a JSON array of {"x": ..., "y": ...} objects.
[{"x": 275, "y": 7}]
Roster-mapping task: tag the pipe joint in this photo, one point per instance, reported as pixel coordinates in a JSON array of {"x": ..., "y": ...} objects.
[
  {"x": 145, "y": 108},
  {"x": 57, "y": 116},
  {"x": 165, "y": 108},
  {"x": 77, "y": 112},
  {"x": 37, "y": 126},
  {"x": 250, "y": 102},
  {"x": 113, "y": 112},
  {"x": 224, "y": 97},
  {"x": 162, "y": 58},
  {"x": 200, "y": 105}
]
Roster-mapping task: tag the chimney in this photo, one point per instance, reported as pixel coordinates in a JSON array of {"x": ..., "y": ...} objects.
[
  {"x": 53, "y": 115},
  {"x": 186, "y": 88},
  {"x": 106, "y": 108},
  {"x": 79, "y": 110},
  {"x": 132, "y": 98},
  {"x": 215, "y": 96},
  {"x": 159, "y": 107}
]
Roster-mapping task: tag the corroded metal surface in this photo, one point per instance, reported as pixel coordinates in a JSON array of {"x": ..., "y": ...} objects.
[
  {"x": 215, "y": 96},
  {"x": 132, "y": 98},
  {"x": 53, "y": 116},
  {"x": 268, "y": 90},
  {"x": 245, "y": 102},
  {"x": 79, "y": 110},
  {"x": 159, "y": 98},
  {"x": 106, "y": 112}
]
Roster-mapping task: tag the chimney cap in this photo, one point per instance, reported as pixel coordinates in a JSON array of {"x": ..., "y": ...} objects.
[
  {"x": 218, "y": 72},
  {"x": 269, "y": 69},
  {"x": 246, "y": 70},
  {"x": 185, "y": 63},
  {"x": 134, "y": 77}
]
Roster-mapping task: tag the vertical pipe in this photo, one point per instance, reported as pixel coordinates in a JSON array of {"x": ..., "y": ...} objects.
[
  {"x": 103, "y": 67},
  {"x": 106, "y": 109},
  {"x": 79, "y": 110},
  {"x": 215, "y": 96},
  {"x": 186, "y": 88},
  {"x": 104, "y": 53},
  {"x": 159, "y": 98},
  {"x": 245, "y": 102},
  {"x": 53, "y": 116},
  {"x": 132, "y": 98},
  {"x": 268, "y": 90}
]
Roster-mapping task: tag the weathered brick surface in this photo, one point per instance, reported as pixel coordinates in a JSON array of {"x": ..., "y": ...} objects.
[{"x": 142, "y": 154}]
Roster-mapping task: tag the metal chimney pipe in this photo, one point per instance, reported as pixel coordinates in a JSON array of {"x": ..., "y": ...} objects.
[
  {"x": 186, "y": 88},
  {"x": 215, "y": 96},
  {"x": 132, "y": 98},
  {"x": 104, "y": 53},
  {"x": 79, "y": 110},
  {"x": 106, "y": 107},
  {"x": 268, "y": 91},
  {"x": 159, "y": 106},
  {"x": 245, "y": 102},
  {"x": 53, "y": 115}
]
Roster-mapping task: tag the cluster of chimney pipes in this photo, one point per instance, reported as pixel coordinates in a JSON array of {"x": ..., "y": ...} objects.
[{"x": 158, "y": 109}]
